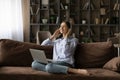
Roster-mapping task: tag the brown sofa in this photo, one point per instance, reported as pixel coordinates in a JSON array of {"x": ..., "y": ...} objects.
[{"x": 98, "y": 58}]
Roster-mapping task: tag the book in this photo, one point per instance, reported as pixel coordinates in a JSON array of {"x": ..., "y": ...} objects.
[
  {"x": 86, "y": 6},
  {"x": 106, "y": 21},
  {"x": 92, "y": 6},
  {"x": 57, "y": 20},
  {"x": 118, "y": 6},
  {"x": 115, "y": 6},
  {"x": 38, "y": 9},
  {"x": 101, "y": 3},
  {"x": 62, "y": 7},
  {"x": 31, "y": 11}
]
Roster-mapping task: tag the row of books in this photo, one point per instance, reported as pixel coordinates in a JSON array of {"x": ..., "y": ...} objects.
[
  {"x": 34, "y": 12},
  {"x": 63, "y": 6},
  {"x": 112, "y": 20},
  {"x": 116, "y": 6},
  {"x": 88, "y": 5}
]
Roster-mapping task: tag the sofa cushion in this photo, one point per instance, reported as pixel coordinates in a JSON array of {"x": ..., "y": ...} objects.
[
  {"x": 15, "y": 53},
  {"x": 27, "y": 73},
  {"x": 92, "y": 55},
  {"x": 113, "y": 64}
]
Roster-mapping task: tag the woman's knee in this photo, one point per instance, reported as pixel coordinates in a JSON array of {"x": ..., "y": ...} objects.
[
  {"x": 34, "y": 64},
  {"x": 49, "y": 67},
  {"x": 54, "y": 68}
]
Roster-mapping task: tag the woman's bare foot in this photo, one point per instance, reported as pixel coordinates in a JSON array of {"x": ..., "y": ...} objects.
[
  {"x": 78, "y": 71},
  {"x": 82, "y": 71}
]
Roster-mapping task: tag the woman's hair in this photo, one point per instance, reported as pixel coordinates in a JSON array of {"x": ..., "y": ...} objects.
[{"x": 67, "y": 23}]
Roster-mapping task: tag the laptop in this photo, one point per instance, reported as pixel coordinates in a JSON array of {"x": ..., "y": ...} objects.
[{"x": 39, "y": 55}]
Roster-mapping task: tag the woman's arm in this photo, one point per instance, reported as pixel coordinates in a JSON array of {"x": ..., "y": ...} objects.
[
  {"x": 47, "y": 42},
  {"x": 55, "y": 35},
  {"x": 50, "y": 41}
]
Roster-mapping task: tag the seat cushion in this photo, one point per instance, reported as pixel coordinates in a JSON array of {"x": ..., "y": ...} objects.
[
  {"x": 94, "y": 55},
  {"x": 15, "y": 53},
  {"x": 27, "y": 73}
]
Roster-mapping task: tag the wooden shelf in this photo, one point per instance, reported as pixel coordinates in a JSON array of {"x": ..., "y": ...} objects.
[{"x": 78, "y": 10}]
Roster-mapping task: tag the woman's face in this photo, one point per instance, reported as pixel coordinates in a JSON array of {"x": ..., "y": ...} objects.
[{"x": 63, "y": 28}]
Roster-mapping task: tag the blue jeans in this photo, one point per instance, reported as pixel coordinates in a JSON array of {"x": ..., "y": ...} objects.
[{"x": 52, "y": 67}]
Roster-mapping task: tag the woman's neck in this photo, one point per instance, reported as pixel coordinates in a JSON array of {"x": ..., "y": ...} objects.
[{"x": 64, "y": 36}]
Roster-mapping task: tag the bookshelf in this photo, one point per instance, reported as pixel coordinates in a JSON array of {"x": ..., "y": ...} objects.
[{"x": 92, "y": 20}]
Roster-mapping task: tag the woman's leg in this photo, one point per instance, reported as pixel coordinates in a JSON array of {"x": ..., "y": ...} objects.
[
  {"x": 38, "y": 66},
  {"x": 55, "y": 68},
  {"x": 50, "y": 67},
  {"x": 62, "y": 67},
  {"x": 58, "y": 67}
]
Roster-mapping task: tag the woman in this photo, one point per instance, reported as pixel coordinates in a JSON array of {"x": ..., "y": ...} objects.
[{"x": 63, "y": 52}]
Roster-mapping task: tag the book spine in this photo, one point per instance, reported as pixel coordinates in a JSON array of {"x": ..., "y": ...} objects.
[
  {"x": 38, "y": 9},
  {"x": 57, "y": 20},
  {"x": 31, "y": 11}
]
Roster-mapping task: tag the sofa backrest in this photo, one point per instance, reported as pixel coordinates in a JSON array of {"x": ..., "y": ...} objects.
[
  {"x": 87, "y": 55},
  {"x": 92, "y": 55},
  {"x": 15, "y": 53}
]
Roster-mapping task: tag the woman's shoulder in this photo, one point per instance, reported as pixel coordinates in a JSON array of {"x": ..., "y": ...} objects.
[
  {"x": 73, "y": 39},
  {"x": 57, "y": 40}
]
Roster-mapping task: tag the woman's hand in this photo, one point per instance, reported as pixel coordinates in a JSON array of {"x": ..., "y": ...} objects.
[{"x": 55, "y": 34}]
